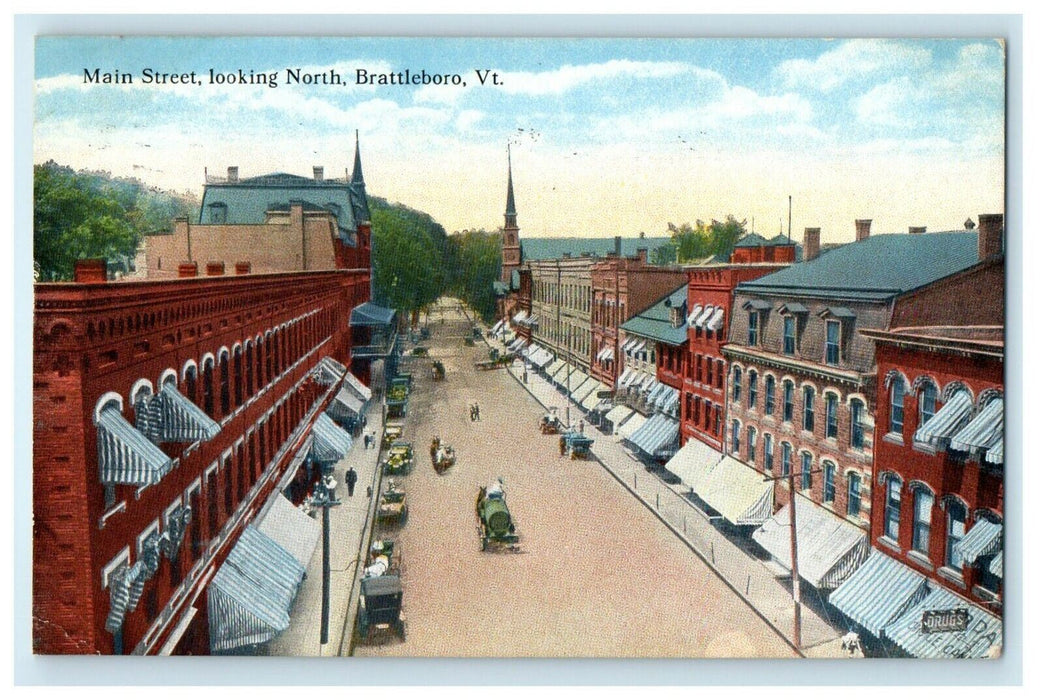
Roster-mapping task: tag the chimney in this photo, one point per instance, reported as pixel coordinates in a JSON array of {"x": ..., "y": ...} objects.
[
  {"x": 90, "y": 271},
  {"x": 317, "y": 173},
  {"x": 618, "y": 245},
  {"x": 991, "y": 235},
  {"x": 643, "y": 254},
  {"x": 811, "y": 251},
  {"x": 242, "y": 268},
  {"x": 215, "y": 269},
  {"x": 567, "y": 254},
  {"x": 863, "y": 229},
  {"x": 918, "y": 229},
  {"x": 233, "y": 173},
  {"x": 188, "y": 269}
]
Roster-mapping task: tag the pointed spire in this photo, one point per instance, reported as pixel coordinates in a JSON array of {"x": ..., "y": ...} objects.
[
  {"x": 357, "y": 174},
  {"x": 511, "y": 189}
]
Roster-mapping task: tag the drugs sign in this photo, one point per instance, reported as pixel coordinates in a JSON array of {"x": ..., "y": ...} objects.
[{"x": 955, "y": 620}]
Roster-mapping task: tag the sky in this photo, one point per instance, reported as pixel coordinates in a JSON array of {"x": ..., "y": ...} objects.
[{"x": 607, "y": 136}]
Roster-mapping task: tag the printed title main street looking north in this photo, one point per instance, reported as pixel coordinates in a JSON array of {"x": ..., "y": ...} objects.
[{"x": 293, "y": 76}]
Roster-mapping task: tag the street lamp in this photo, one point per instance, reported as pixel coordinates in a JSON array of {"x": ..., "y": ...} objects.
[{"x": 323, "y": 497}]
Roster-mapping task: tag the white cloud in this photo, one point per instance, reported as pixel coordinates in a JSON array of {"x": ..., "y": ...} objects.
[
  {"x": 469, "y": 118},
  {"x": 853, "y": 59},
  {"x": 568, "y": 77},
  {"x": 890, "y": 104}
]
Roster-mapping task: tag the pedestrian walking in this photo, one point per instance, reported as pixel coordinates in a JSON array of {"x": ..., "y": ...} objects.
[
  {"x": 581, "y": 427},
  {"x": 350, "y": 477},
  {"x": 477, "y": 416}
]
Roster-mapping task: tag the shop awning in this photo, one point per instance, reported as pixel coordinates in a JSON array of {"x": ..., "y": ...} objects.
[
  {"x": 180, "y": 420},
  {"x": 517, "y": 318},
  {"x": 984, "y": 432},
  {"x": 715, "y": 321},
  {"x": 982, "y": 540},
  {"x": 618, "y": 414},
  {"x": 593, "y": 399},
  {"x": 829, "y": 548},
  {"x": 496, "y": 327},
  {"x": 658, "y": 438},
  {"x": 583, "y": 389},
  {"x": 878, "y": 592},
  {"x": 250, "y": 596},
  {"x": 997, "y": 565},
  {"x": 331, "y": 442},
  {"x": 125, "y": 456},
  {"x": 605, "y": 354},
  {"x": 624, "y": 378},
  {"x": 981, "y": 639},
  {"x": 517, "y": 344},
  {"x": 329, "y": 371},
  {"x": 630, "y": 345},
  {"x": 553, "y": 368},
  {"x": 370, "y": 314},
  {"x": 542, "y": 357},
  {"x": 696, "y": 312},
  {"x": 708, "y": 312},
  {"x": 559, "y": 377},
  {"x": 345, "y": 405},
  {"x": 626, "y": 429},
  {"x": 603, "y": 406},
  {"x": 357, "y": 387},
  {"x": 738, "y": 492},
  {"x": 693, "y": 463},
  {"x": 291, "y": 529},
  {"x": 946, "y": 422}
]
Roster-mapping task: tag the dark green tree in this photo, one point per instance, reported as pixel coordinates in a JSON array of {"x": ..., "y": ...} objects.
[
  {"x": 409, "y": 251},
  {"x": 474, "y": 259}
]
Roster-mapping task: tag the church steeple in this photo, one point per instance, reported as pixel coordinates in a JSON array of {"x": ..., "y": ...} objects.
[
  {"x": 509, "y": 212},
  {"x": 357, "y": 174}
]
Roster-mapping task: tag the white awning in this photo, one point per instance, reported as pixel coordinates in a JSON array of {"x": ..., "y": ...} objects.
[
  {"x": 497, "y": 326},
  {"x": 628, "y": 428},
  {"x": 583, "y": 390},
  {"x": 559, "y": 377},
  {"x": 702, "y": 319},
  {"x": 984, "y": 432},
  {"x": 618, "y": 414},
  {"x": 517, "y": 318},
  {"x": 946, "y": 421},
  {"x": 250, "y": 596},
  {"x": 554, "y": 367},
  {"x": 658, "y": 438},
  {"x": 575, "y": 380},
  {"x": 878, "y": 592},
  {"x": 622, "y": 380},
  {"x": 983, "y": 539},
  {"x": 716, "y": 320},
  {"x": 696, "y": 311},
  {"x": 981, "y": 639},
  {"x": 331, "y": 443},
  {"x": 329, "y": 371},
  {"x": 630, "y": 344},
  {"x": 740, "y": 493},
  {"x": 357, "y": 387},
  {"x": 291, "y": 529},
  {"x": 345, "y": 405},
  {"x": 694, "y": 462},
  {"x": 125, "y": 456},
  {"x": 829, "y": 549},
  {"x": 592, "y": 400}
]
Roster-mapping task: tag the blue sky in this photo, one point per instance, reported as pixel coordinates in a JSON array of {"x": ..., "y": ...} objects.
[{"x": 608, "y": 136}]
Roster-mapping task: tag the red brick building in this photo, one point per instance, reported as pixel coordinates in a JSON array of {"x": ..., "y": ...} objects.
[{"x": 166, "y": 414}]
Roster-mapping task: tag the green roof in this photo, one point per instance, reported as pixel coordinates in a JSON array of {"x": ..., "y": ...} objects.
[
  {"x": 552, "y": 248},
  {"x": 752, "y": 240},
  {"x": 874, "y": 269},
  {"x": 654, "y": 322}
]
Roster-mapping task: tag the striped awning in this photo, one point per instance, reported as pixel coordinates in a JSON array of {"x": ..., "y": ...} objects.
[
  {"x": 624, "y": 378},
  {"x": 496, "y": 327},
  {"x": 630, "y": 345},
  {"x": 715, "y": 321},
  {"x": 291, "y": 529},
  {"x": 984, "y": 432},
  {"x": 658, "y": 437},
  {"x": 605, "y": 354},
  {"x": 696, "y": 312},
  {"x": 345, "y": 404},
  {"x": 619, "y": 414},
  {"x": 249, "y": 599},
  {"x": 583, "y": 389},
  {"x": 693, "y": 463},
  {"x": 878, "y": 592},
  {"x": 645, "y": 383},
  {"x": 946, "y": 421},
  {"x": 829, "y": 549},
  {"x": 357, "y": 387},
  {"x": 625, "y": 429},
  {"x": 125, "y": 587},
  {"x": 982, "y": 540},
  {"x": 553, "y": 368},
  {"x": 739, "y": 493},
  {"x": 173, "y": 418},
  {"x": 997, "y": 565},
  {"x": 701, "y": 320},
  {"x": 331, "y": 443},
  {"x": 593, "y": 399},
  {"x": 517, "y": 318},
  {"x": 329, "y": 371},
  {"x": 125, "y": 456},
  {"x": 982, "y": 638},
  {"x": 673, "y": 403}
]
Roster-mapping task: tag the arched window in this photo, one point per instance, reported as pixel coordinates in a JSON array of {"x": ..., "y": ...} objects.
[
  {"x": 737, "y": 383},
  {"x": 768, "y": 452},
  {"x": 770, "y": 395},
  {"x": 735, "y": 437},
  {"x": 897, "y": 394},
  {"x": 208, "y": 386},
  {"x": 268, "y": 358},
  {"x": 856, "y": 409},
  {"x": 956, "y": 517},
  {"x": 926, "y": 403},
  {"x": 237, "y": 374},
  {"x": 893, "y": 504},
  {"x": 829, "y": 474},
  {"x": 855, "y": 500},
  {"x": 752, "y": 437},
  {"x": 752, "y": 389},
  {"x": 806, "y": 471},
  {"x": 786, "y": 458},
  {"x": 191, "y": 384},
  {"x": 249, "y": 359},
  {"x": 831, "y": 415},
  {"x": 809, "y": 415},
  {"x": 788, "y": 400},
  {"x": 922, "y": 520}
]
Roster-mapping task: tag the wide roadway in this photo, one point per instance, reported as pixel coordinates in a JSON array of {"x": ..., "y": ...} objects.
[{"x": 598, "y": 574}]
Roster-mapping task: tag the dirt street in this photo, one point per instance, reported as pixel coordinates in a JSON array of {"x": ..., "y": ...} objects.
[{"x": 598, "y": 574}]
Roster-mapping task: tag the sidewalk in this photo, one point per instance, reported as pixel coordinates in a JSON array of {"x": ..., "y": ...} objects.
[
  {"x": 350, "y": 523},
  {"x": 768, "y": 597}
]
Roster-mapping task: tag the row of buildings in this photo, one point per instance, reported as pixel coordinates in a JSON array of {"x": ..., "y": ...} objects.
[
  {"x": 867, "y": 376},
  {"x": 181, "y": 422}
]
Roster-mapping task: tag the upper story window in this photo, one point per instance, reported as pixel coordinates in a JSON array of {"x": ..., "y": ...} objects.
[
  {"x": 856, "y": 409},
  {"x": 809, "y": 413},
  {"x": 893, "y": 503},
  {"x": 833, "y": 342},
  {"x": 922, "y": 521},
  {"x": 806, "y": 471},
  {"x": 926, "y": 403},
  {"x": 854, "y": 497},
  {"x": 956, "y": 516},
  {"x": 735, "y": 437},
  {"x": 217, "y": 213},
  {"x": 752, "y": 389},
  {"x": 770, "y": 395},
  {"x": 768, "y": 452},
  {"x": 786, "y": 455},
  {"x": 829, "y": 472},
  {"x": 788, "y": 400},
  {"x": 898, "y": 393},
  {"x": 789, "y": 335},
  {"x": 831, "y": 415},
  {"x": 752, "y": 437},
  {"x": 737, "y": 383},
  {"x": 752, "y": 328}
]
